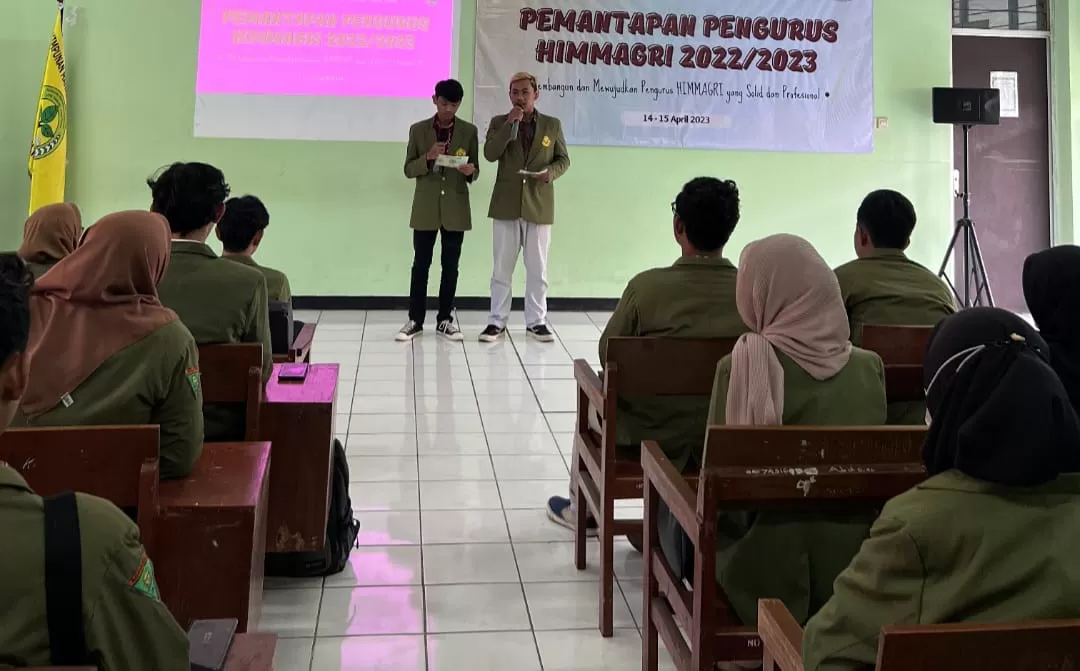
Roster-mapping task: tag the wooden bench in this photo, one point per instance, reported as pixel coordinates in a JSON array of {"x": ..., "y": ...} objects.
[
  {"x": 233, "y": 374},
  {"x": 642, "y": 367},
  {"x": 298, "y": 420},
  {"x": 212, "y": 536},
  {"x": 1016, "y": 646},
  {"x": 754, "y": 468},
  {"x": 300, "y": 351},
  {"x": 902, "y": 350},
  {"x": 116, "y": 463}
]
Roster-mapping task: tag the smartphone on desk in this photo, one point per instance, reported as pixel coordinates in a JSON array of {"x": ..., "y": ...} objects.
[{"x": 293, "y": 372}]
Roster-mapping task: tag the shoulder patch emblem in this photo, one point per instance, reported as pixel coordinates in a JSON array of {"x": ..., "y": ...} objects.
[
  {"x": 144, "y": 581},
  {"x": 194, "y": 379}
]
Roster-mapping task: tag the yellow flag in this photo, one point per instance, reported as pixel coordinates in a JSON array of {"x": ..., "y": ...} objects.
[{"x": 48, "y": 149}]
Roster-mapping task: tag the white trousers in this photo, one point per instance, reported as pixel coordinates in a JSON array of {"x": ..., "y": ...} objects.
[{"x": 508, "y": 238}]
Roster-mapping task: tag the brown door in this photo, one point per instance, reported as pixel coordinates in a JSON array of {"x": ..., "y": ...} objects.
[{"x": 1010, "y": 163}]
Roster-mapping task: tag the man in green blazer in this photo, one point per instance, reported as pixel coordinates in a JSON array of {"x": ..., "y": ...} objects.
[
  {"x": 440, "y": 204},
  {"x": 531, "y": 152},
  {"x": 220, "y": 302}
]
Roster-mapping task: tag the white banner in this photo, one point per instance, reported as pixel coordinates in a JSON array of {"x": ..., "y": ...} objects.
[{"x": 771, "y": 75}]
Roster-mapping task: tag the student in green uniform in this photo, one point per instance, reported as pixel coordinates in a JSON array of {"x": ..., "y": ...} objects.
[
  {"x": 694, "y": 298},
  {"x": 440, "y": 205},
  {"x": 241, "y": 231},
  {"x": 51, "y": 233},
  {"x": 991, "y": 535},
  {"x": 218, "y": 300},
  {"x": 125, "y": 625},
  {"x": 795, "y": 366},
  {"x": 884, "y": 286},
  {"x": 1052, "y": 291},
  {"x": 105, "y": 351}
]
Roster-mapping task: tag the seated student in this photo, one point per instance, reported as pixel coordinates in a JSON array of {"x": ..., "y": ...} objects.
[
  {"x": 991, "y": 536},
  {"x": 241, "y": 232},
  {"x": 51, "y": 233},
  {"x": 105, "y": 351},
  {"x": 1052, "y": 291},
  {"x": 884, "y": 286},
  {"x": 694, "y": 298},
  {"x": 124, "y": 623},
  {"x": 796, "y": 366},
  {"x": 218, "y": 300}
]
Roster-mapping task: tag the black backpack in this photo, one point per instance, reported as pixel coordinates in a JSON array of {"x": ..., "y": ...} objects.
[{"x": 341, "y": 532}]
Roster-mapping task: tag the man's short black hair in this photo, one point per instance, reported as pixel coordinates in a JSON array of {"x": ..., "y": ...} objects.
[
  {"x": 450, "y": 89},
  {"x": 709, "y": 209},
  {"x": 888, "y": 217},
  {"x": 15, "y": 283},
  {"x": 188, "y": 195},
  {"x": 244, "y": 218}
]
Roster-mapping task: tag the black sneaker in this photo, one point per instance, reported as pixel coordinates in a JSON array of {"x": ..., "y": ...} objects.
[
  {"x": 449, "y": 330},
  {"x": 492, "y": 333},
  {"x": 541, "y": 332},
  {"x": 409, "y": 331}
]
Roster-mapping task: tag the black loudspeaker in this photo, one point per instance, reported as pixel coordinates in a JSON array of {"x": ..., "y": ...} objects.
[{"x": 974, "y": 107}]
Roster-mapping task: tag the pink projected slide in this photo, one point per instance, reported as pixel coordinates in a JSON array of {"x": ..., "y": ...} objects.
[{"x": 372, "y": 48}]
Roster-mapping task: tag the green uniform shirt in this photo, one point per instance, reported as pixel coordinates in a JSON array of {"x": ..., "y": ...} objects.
[
  {"x": 889, "y": 288},
  {"x": 127, "y": 627},
  {"x": 953, "y": 549},
  {"x": 277, "y": 284},
  {"x": 518, "y": 196},
  {"x": 796, "y": 556},
  {"x": 220, "y": 302},
  {"x": 694, "y": 298},
  {"x": 441, "y": 195},
  {"x": 152, "y": 381}
]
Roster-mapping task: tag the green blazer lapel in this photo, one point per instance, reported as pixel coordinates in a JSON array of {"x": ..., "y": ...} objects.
[
  {"x": 541, "y": 129},
  {"x": 427, "y": 136}
]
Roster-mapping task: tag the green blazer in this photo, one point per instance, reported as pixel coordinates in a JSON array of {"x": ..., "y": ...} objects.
[
  {"x": 126, "y": 624},
  {"x": 441, "y": 197},
  {"x": 152, "y": 381},
  {"x": 795, "y": 556},
  {"x": 277, "y": 283},
  {"x": 694, "y": 298},
  {"x": 221, "y": 302},
  {"x": 953, "y": 549},
  {"x": 517, "y": 196}
]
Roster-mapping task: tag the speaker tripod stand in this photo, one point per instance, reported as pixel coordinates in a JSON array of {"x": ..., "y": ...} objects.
[{"x": 973, "y": 290}]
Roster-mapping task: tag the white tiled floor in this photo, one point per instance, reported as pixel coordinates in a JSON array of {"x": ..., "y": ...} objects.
[{"x": 453, "y": 451}]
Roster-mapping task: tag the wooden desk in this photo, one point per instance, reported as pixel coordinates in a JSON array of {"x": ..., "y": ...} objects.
[
  {"x": 211, "y": 536},
  {"x": 298, "y": 420}
]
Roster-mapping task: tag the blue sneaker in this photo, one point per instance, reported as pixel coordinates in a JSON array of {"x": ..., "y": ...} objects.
[{"x": 561, "y": 512}]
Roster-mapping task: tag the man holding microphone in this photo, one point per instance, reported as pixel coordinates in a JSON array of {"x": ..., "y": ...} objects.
[{"x": 531, "y": 152}]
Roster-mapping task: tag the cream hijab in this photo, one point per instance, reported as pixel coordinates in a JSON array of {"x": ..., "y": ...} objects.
[{"x": 791, "y": 301}]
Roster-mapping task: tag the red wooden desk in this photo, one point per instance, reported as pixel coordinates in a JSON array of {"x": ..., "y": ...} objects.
[
  {"x": 211, "y": 536},
  {"x": 298, "y": 420}
]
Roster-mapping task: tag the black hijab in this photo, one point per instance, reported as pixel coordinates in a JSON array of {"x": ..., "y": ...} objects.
[
  {"x": 1052, "y": 291},
  {"x": 998, "y": 411}
]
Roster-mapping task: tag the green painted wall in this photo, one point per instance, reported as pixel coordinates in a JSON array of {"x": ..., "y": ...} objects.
[
  {"x": 1065, "y": 81},
  {"x": 340, "y": 210}
]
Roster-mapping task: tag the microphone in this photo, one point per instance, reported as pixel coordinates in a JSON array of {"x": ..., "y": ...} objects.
[{"x": 514, "y": 130}]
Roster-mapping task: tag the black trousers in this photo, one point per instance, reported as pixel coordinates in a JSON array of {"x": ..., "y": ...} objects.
[{"x": 423, "y": 248}]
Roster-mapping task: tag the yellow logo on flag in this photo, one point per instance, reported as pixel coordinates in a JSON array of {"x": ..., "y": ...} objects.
[{"x": 47, "y": 162}]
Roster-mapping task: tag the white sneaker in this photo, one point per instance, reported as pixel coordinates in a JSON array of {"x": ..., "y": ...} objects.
[
  {"x": 409, "y": 331},
  {"x": 449, "y": 330}
]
